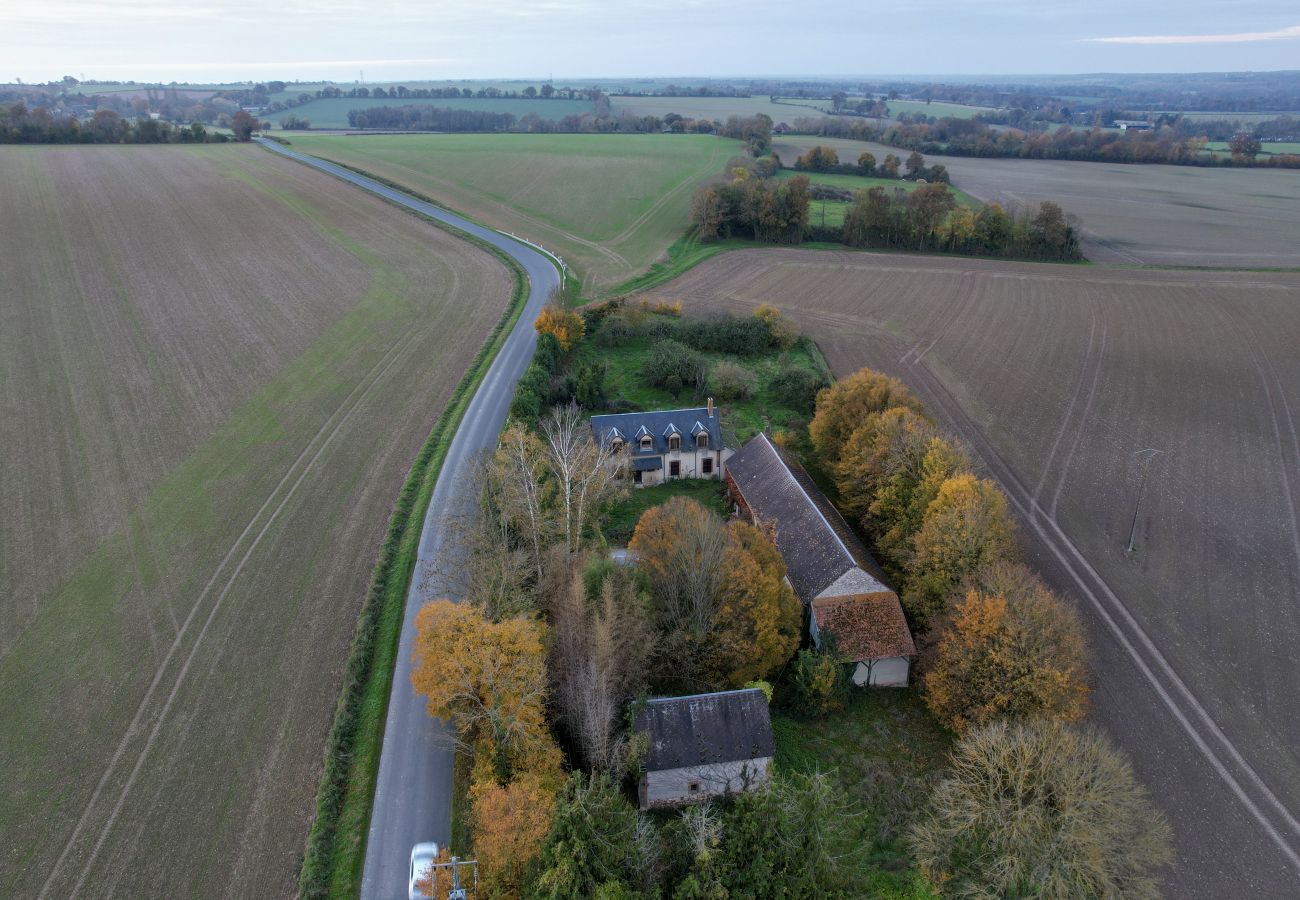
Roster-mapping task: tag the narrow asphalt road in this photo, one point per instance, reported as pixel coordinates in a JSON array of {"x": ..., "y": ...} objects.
[{"x": 413, "y": 794}]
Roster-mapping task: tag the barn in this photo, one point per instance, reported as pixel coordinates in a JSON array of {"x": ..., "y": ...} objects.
[{"x": 704, "y": 745}]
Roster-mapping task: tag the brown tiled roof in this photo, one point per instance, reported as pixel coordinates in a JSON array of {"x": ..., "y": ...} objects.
[
  {"x": 817, "y": 544},
  {"x": 866, "y": 626}
]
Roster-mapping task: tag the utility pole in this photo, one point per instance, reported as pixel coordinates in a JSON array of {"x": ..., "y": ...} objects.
[{"x": 1150, "y": 454}]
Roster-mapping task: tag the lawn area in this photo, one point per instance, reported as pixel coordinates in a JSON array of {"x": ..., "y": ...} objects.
[
  {"x": 332, "y": 112},
  {"x": 884, "y": 750},
  {"x": 621, "y": 519},
  {"x": 1268, "y": 148},
  {"x": 611, "y": 204},
  {"x": 741, "y": 419}
]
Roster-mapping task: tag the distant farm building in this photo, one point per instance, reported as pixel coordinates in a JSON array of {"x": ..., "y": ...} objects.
[
  {"x": 703, "y": 746},
  {"x": 1128, "y": 125},
  {"x": 667, "y": 444},
  {"x": 841, "y": 586}
]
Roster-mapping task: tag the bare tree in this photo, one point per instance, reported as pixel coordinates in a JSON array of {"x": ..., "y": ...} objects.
[
  {"x": 586, "y": 475},
  {"x": 520, "y": 467},
  {"x": 598, "y": 657}
]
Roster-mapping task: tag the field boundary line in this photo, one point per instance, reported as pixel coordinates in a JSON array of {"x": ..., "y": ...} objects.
[
  {"x": 1064, "y": 550},
  {"x": 137, "y": 720}
]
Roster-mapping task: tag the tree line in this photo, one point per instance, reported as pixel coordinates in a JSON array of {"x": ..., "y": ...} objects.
[
  {"x": 20, "y": 125},
  {"x": 971, "y": 137},
  {"x": 1003, "y": 663},
  {"x": 770, "y": 209}
]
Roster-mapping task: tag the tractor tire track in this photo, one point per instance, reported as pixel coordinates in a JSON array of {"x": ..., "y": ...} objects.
[{"x": 324, "y": 436}]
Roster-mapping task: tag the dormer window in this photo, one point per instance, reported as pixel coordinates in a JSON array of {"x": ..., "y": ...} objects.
[
  {"x": 616, "y": 445},
  {"x": 675, "y": 442},
  {"x": 647, "y": 443},
  {"x": 702, "y": 441}
]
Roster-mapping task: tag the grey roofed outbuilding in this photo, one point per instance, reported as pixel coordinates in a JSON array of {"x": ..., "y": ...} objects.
[
  {"x": 706, "y": 729},
  {"x": 658, "y": 424},
  {"x": 816, "y": 543}
]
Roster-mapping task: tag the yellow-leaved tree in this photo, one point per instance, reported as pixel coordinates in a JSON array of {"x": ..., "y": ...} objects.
[
  {"x": 884, "y": 440},
  {"x": 567, "y": 327},
  {"x": 759, "y": 615},
  {"x": 1015, "y": 654},
  {"x": 510, "y": 822},
  {"x": 908, "y": 487},
  {"x": 488, "y": 678},
  {"x": 843, "y": 408},
  {"x": 965, "y": 527}
]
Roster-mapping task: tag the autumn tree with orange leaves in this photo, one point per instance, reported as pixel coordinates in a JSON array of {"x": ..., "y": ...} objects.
[
  {"x": 843, "y": 407},
  {"x": 487, "y": 678},
  {"x": 1009, "y": 650},
  {"x": 510, "y": 822},
  {"x": 718, "y": 592},
  {"x": 965, "y": 527},
  {"x": 567, "y": 327}
]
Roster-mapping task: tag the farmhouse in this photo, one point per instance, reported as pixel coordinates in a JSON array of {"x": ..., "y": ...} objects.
[
  {"x": 668, "y": 444},
  {"x": 704, "y": 745},
  {"x": 830, "y": 570},
  {"x": 1128, "y": 125}
]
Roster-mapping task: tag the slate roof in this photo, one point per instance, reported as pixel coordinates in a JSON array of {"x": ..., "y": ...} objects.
[
  {"x": 658, "y": 423},
  {"x": 817, "y": 544},
  {"x": 706, "y": 729},
  {"x": 866, "y": 626}
]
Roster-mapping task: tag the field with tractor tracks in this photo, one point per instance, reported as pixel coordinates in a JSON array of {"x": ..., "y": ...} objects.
[
  {"x": 216, "y": 368},
  {"x": 1074, "y": 385}
]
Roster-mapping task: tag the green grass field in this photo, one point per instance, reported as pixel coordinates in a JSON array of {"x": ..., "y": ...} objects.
[
  {"x": 1276, "y": 148},
  {"x": 611, "y": 205},
  {"x": 621, "y": 519},
  {"x": 935, "y": 109},
  {"x": 718, "y": 107},
  {"x": 333, "y": 112}
]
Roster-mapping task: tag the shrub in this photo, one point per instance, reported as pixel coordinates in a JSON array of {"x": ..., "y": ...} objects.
[
  {"x": 1041, "y": 810},
  {"x": 674, "y": 366},
  {"x": 818, "y": 682},
  {"x": 729, "y": 381},
  {"x": 567, "y": 327},
  {"x": 797, "y": 388},
  {"x": 781, "y": 332}
]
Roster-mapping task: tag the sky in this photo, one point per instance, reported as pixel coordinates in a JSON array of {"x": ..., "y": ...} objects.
[{"x": 218, "y": 40}]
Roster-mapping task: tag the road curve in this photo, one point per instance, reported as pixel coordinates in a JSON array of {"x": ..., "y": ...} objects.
[{"x": 413, "y": 793}]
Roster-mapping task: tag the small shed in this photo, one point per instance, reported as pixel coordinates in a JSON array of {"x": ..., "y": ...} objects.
[{"x": 703, "y": 746}]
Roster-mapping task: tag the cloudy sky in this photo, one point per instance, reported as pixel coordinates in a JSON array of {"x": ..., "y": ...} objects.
[{"x": 195, "y": 40}]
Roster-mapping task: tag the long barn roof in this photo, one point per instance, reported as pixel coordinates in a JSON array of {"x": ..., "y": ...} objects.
[
  {"x": 818, "y": 546},
  {"x": 706, "y": 729}
]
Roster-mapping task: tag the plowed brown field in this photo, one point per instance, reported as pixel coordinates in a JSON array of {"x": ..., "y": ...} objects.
[
  {"x": 216, "y": 367},
  {"x": 1060, "y": 377}
]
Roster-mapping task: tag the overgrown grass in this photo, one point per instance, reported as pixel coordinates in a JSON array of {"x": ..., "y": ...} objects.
[
  {"x": 742, "y": 419},
  {"x": 335, "y": 854},
  {"x": 621, "y": 518},
  {"x": 884, "y": 750}
]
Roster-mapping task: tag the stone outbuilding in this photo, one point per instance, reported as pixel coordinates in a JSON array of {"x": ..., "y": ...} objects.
[{"x": 703, "y": 746}]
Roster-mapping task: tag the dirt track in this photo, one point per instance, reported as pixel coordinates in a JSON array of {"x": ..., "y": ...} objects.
[
  {"x": 217, "y": 368},
  {"x": 1058, "y": 377}
]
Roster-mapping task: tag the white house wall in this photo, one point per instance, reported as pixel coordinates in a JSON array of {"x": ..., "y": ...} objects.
[
  {"x": 892, "y": 671},
  {"x": 672, "y": 787}
]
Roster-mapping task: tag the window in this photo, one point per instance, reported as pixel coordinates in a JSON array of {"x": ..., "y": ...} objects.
[
  {"x": 707, "y": 467},
  {"x": 647, "y": 443},
  {"x": 675, "y": 442},
  {"x": 615, "y": 445},
  {"x": 701, "y": 441},
  {"x": 674, "y": 469},
  {"x": 693, "y": 787},
  {"x": 636, "y": 477}
]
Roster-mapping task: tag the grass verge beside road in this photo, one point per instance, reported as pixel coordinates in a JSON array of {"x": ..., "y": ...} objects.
[{"x": 335, "y": 854}]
